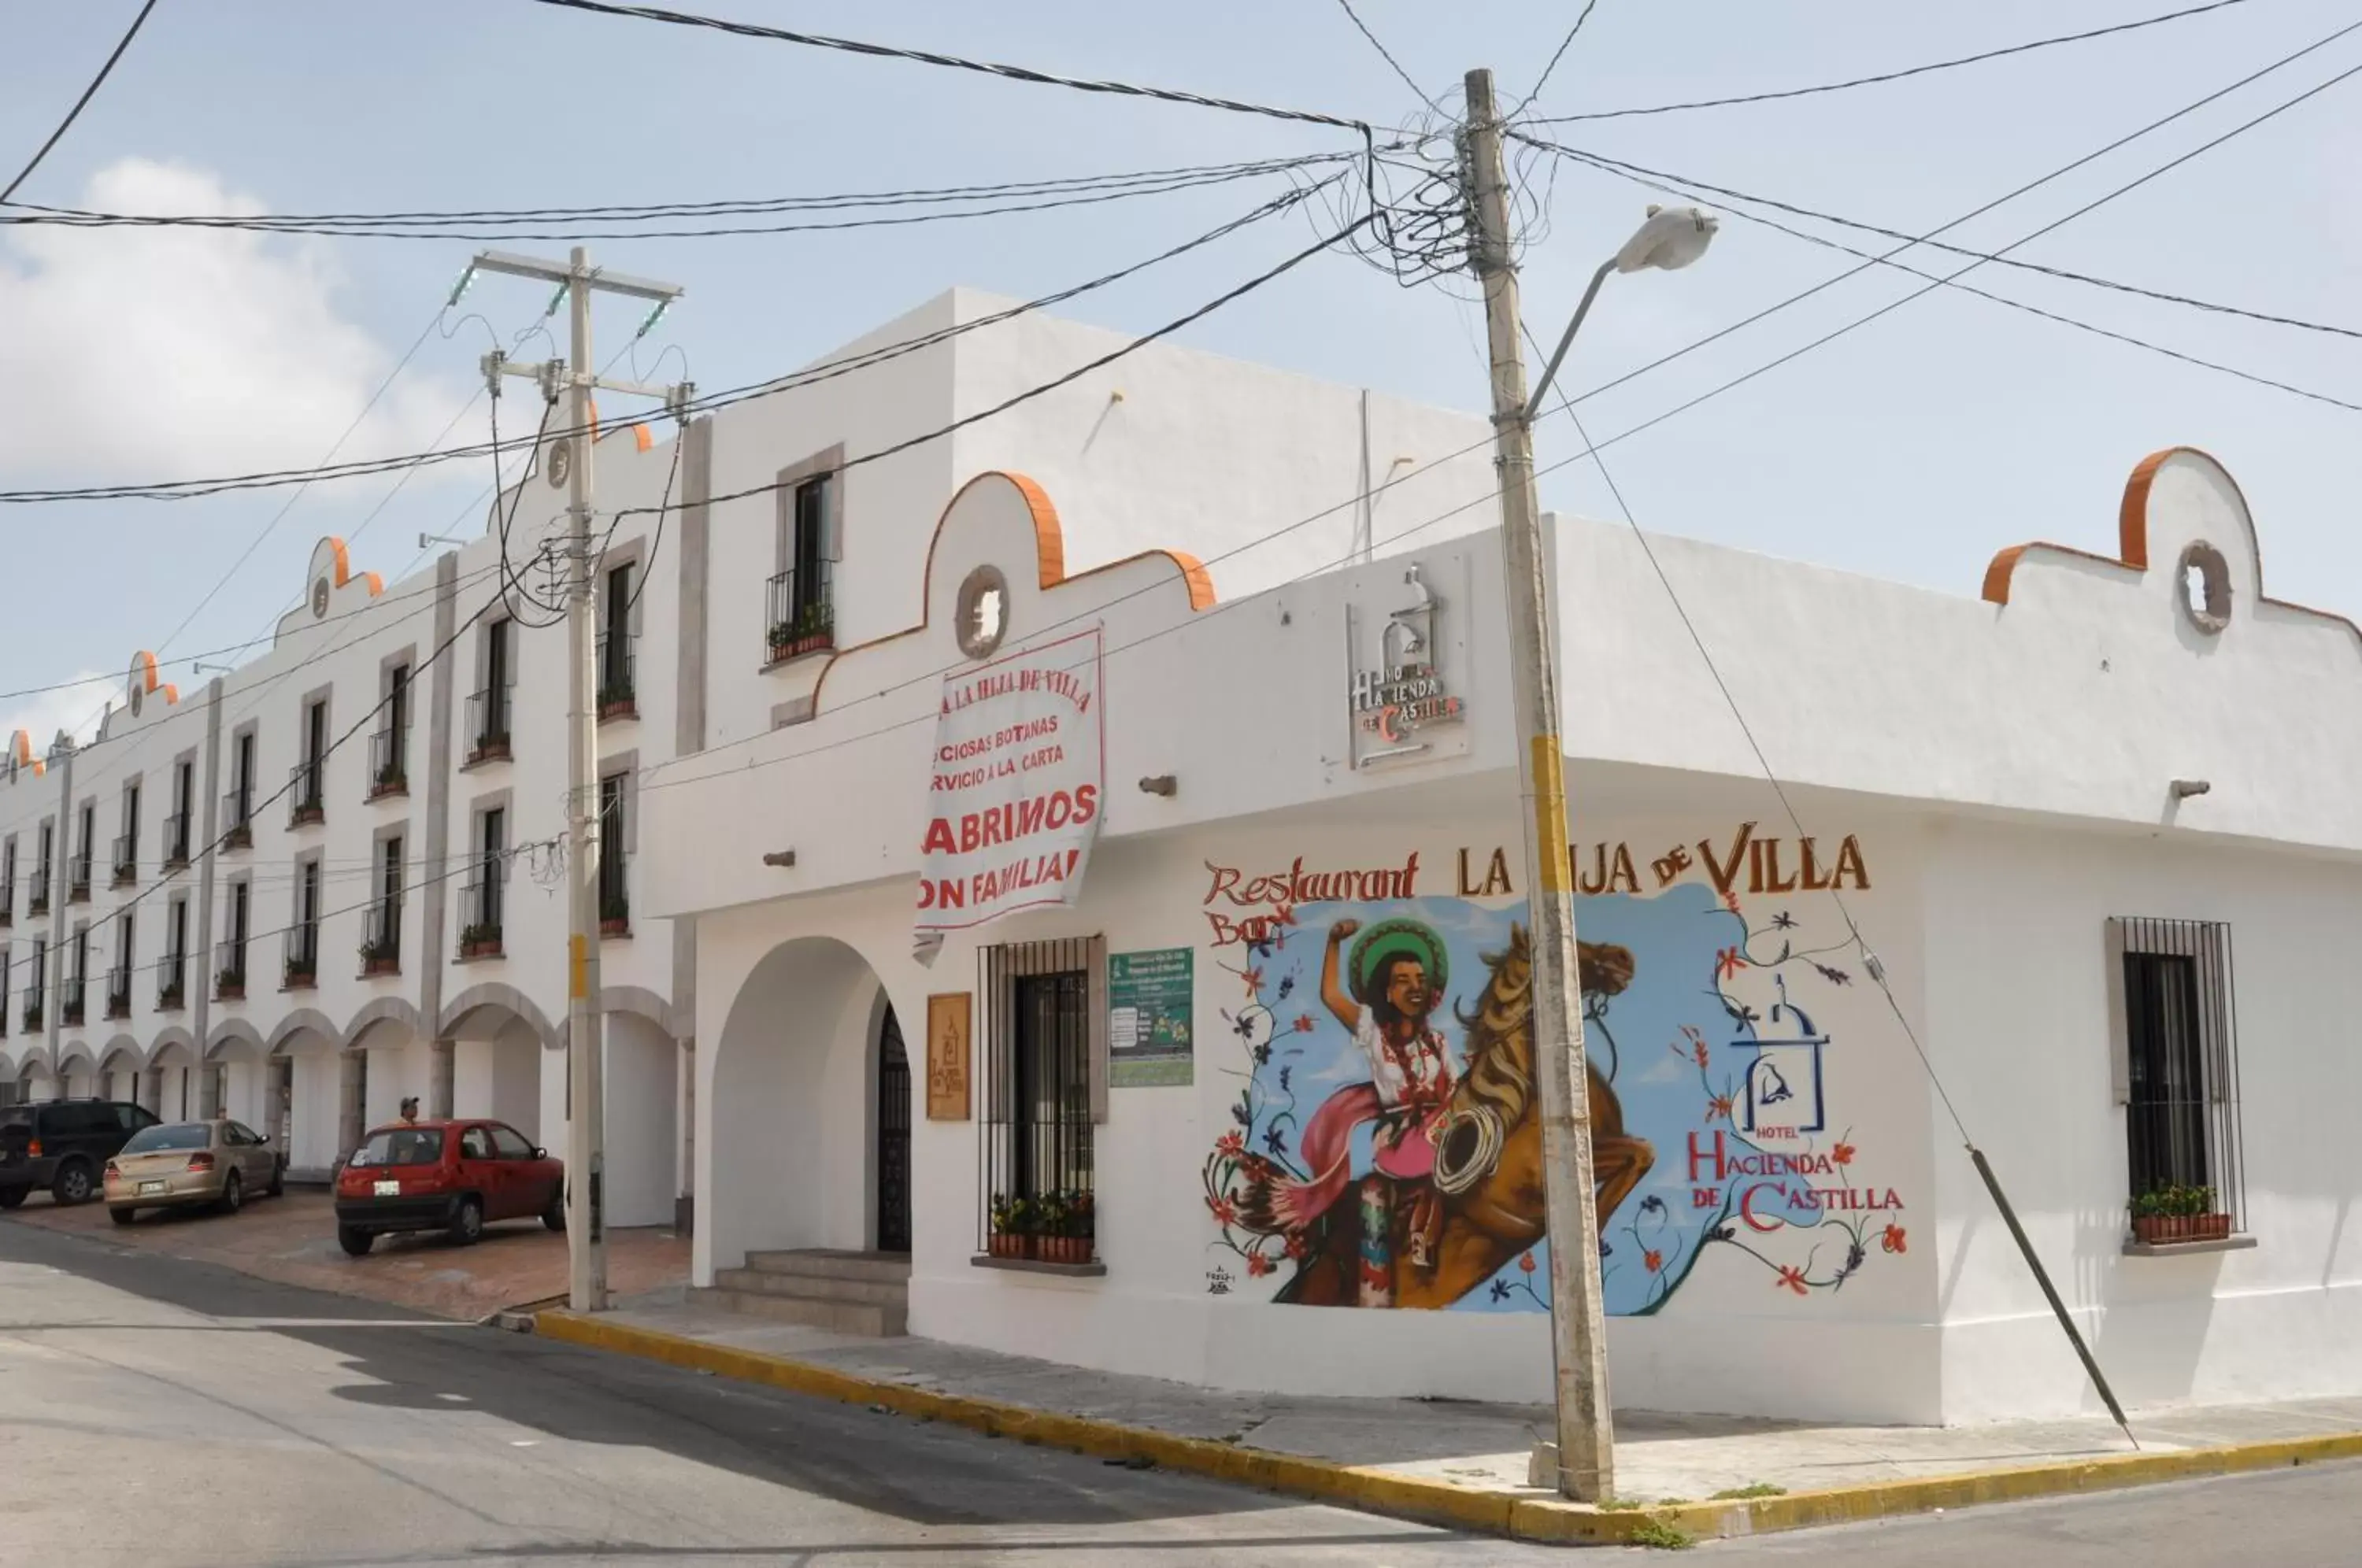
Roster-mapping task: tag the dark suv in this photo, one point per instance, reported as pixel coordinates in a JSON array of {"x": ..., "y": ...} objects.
[{"x": 62, "y": 1145}]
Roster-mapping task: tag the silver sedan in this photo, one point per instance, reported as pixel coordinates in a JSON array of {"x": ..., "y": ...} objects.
[{"x": 182, "y": 1164}]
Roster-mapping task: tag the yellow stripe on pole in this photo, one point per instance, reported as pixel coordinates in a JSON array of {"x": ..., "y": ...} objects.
[
  {"x": 1557, "y": 871},
  {"x": 579, "y": 956}
]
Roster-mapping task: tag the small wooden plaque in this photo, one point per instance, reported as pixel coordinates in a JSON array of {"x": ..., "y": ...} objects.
[{"x": 947, "y": 1056}]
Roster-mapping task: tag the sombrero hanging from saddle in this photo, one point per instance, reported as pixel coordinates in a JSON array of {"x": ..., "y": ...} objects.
[{"x": 1388, "y": 1126}]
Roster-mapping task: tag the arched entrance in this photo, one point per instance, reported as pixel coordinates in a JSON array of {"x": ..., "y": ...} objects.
[
  {"x": 786, "y": 1105},
  {"x": 891, "y": 1143}
]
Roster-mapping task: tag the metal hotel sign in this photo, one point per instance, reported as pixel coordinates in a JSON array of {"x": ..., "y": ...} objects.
[{"x": 1016, "y": 780}]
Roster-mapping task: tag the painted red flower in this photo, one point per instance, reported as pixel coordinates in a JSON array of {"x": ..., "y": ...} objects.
[
  {"x": 1229, "y": 1143},
  {"x": 1258, "y": 1265},
  {"x": 1717, "y": 1106},
  {"x": 1225, "y": 1211},
  {"x": 1893, "y": 1241},
  {"x": 1794, "y": 1278},
  {"x": 1297, "y": 1246},
  {"x": 1728, "y": 962},
  {"x": 1286, "y": 915},
  {"x": 1254, "y": 977},
  {"x": 1304, "y": 1024},
  {"x": 1697, "y": 1049},
  {"x": 1526, "y": 1261},
  {"x": 1842, "y": 1153},
  {"x": 1652, "y": 1261}
]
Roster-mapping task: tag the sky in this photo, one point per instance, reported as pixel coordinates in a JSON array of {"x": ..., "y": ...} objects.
[{"x": 1912, "y": 448}]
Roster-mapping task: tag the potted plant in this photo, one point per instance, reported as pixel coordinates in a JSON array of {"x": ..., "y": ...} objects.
[
  {"x": 808, "y": 630},
  {"x": 167, "y": 999},
  {"x": 229, "y": 986},
  {"x": 240, "y": 836},
  {"x": 1050, "y": 1214},
  {"x": 32, "y": 1017},
  {"x": 617, "y": 701},
  {"x": 390, "y": 780},
  {"x": 492, "y": 746},
  {"x": 1067, "y": 1227},
  {"x": 302, "y": 973},
  {"x": 480, "y": 941},
  {"x": 614, "y": 917},
  {"x": 379, "y": 958},
  {"x": 2170, "y": 1212},
  {"x": 1012, "y": 1217}
]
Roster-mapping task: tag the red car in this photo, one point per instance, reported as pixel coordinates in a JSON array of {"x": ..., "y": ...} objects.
[{"x": 455, "y": 1177}]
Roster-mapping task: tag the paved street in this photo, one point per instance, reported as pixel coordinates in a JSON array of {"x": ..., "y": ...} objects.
[{"x": 165, "y": 1412}]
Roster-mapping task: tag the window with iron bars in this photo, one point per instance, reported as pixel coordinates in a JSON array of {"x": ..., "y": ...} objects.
[
  {"x": 1041, "y": 1063},
  {"x": 2176, "y": 1068}
]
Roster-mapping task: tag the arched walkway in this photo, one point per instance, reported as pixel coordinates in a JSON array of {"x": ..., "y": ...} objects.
[
  {"x": 786, "y": 1096},
  {"x": 250, "y": 1076},
  {"x": 311, "y": 1097},
  {"x": 180, "y": 1089},
  {"x": 119, "y": 1067},
  {"x": 397, "y": 1057}
]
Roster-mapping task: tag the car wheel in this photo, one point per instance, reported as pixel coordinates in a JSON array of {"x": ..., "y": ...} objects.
[
  {"x": 123, "y": 1216},
  {"x": 467, "y": 1223},
  {"x": 353, "y": 1239},
  {"x": 555, "y": 1215},
  {"x": 13, "y": 1197},
  {"x": 72, "y": 1185},
  {"x": 233, "y": 1198}
]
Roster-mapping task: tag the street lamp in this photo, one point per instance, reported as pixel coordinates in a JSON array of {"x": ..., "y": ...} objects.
[{"x": 1669, "y": 239}]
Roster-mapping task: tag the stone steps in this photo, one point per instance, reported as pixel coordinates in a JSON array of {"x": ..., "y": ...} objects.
[{"x": 849, "y": 1293}]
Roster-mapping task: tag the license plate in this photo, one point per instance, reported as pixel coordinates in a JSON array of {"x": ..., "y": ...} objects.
[
  {"x": 388, "y": 1189},
  {"x": 147, "y": 1187}
]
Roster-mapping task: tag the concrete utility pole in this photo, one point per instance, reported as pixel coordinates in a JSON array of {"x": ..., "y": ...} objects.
[
  {"x": 1586, "y": 1454},
  {"x": 586, "y": 1230}
]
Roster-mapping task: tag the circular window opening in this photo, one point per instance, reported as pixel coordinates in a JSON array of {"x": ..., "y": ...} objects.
[
  {"x": 319, "y": 598},
  {"x": 2205, "y": 587},
  {"x": 983, "y": 612}
]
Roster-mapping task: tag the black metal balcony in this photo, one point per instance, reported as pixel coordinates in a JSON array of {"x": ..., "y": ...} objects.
[
  {"x": 301, "y": 968},
  {"x": 389, "y": 763},
  {"x": 488, "y": 712},
  {"x": 618, "y": 697},
  {"x": 382, "y": 938},
  {"x": 172, "y": 982},
  {"x": 479, "y": 911},
  {"x": 307, "y": 799},
  {"x": 118, "y": 993},
  {"x": 238, "y": 819},
  {"x": 36, "y": 901},
  {"x": 125, "y": 860},
  {"x": 8, "y": 913},
  {"x": 801, "y": 616},
  {"x": 78, "y": 878},
  {"x": 69, "y": 1003},
  {"x": 176, "y": 840},
  {"x": 32, "y": 1013},
  {"x": 229, "y": 970}
]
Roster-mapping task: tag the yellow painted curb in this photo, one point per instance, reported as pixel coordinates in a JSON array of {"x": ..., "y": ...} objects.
[{"x": 1389, "y": 1492}]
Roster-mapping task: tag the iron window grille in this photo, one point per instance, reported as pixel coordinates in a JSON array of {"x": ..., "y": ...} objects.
[
  {"x": 1041, "y": 1060},
  {"x": 389, "y": 761},
  {"x": 301, "y": 969},
  {"x": 69, "y": 1002},
  {"x": 176, "y": 840},
  {"x": 802, "y": 616},
  {"x": 382, "y": 936},
  {"x": 36, "y": 901},
  {"x": 2177, "y": 1060},
  {"x": 618, "y": 696},
  {"x": 125, "y": 861},
  {"x": 487, "y": 723},
  {"x": 229, "y": 968},
  {"x": 171, "y": 981},
  {"x": 307, "y": 801},
  {"x": 78, "y": 875},
  {"x": 237, "y": 816},
  {"x": 479, "y": 909}
]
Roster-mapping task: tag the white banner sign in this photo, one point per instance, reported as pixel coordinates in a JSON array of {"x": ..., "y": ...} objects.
[{"x": 1018, "y": 780}]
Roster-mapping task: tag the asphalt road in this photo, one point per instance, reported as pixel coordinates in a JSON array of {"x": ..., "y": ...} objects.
[{"x": 172, "y": 1414}]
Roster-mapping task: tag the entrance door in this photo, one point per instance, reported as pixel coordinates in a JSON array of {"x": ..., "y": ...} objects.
[{"x": 893, "y": 1139}]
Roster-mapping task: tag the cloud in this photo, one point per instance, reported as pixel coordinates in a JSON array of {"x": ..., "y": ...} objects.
[
  {"x": 155, "y": 353},
  {"x": 75, "y": 706}
]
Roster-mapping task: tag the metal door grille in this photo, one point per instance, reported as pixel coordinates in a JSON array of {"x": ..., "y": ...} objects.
[
  {"x": 2179, "y": 1073},
  {"x": 893, "y": 1138},
  {"x": 1039, "y": 1003}
]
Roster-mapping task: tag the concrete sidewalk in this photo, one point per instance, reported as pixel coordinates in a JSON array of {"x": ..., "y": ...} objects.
[{"x": 1467, "y": 1461}]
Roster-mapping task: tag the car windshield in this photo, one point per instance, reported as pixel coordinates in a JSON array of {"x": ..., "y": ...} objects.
[
  {"x": 401, "y": 1146},
  {"x": 154, "y": 1140}
]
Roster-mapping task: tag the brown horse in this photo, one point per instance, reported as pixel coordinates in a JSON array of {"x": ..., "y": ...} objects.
[{"x": 1489, "y": 1163}]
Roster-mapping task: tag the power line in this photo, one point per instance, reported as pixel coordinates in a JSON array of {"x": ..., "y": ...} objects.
[
  {"x": 1686, "y": 187},
  {"x": 1563, "y": 45},
  {"x": 953, "y": 61},
  {"x": 488, "y": 230},
  {"x": 2026, "y": 48},
  {"x": 2061, "y": 318},
  {"x": 1387, "y": 55},
  {"x": 177, "y": 489},
  {"x": 82, "y": 103}
]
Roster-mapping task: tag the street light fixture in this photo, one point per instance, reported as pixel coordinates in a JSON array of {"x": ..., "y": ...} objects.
[{"x": 1669, "y": 239}]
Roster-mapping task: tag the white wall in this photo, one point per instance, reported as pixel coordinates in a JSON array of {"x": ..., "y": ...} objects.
[{"x": 640, "y": 1128}]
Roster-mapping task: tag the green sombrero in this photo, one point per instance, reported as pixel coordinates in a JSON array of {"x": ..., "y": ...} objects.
[{"x": 1390, "y": 938}]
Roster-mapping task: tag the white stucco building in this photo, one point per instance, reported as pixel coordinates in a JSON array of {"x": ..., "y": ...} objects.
[{"x": 1270, "y": 1054}]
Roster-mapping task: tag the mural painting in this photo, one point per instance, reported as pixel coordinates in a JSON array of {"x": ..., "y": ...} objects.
[{"x": 1385, "y": 1147}]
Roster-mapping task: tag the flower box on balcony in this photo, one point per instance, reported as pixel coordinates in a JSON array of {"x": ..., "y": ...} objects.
[
  {"x": 488, "y": 748},
  {"x": 124, "y": 876},
  {"x": 786, "y": 643},
  {"x": 117, "y": 1007},
  {"x": 389, "y": 781},
  {"x": 307, "y": 816},
  {"x": 618, "y": 705},
  {"x": 380, "y": 960},
  {"x": 168, "y": 1000},
  {"x": 301, "y": 978},
  {"x": 70, "y": 1016},
  {"x": 615, "y": 925},
  {"x": 2166, "y": 1214},
  {"x": 240, "y": 837},
  {"x": 229, "y": 987},
  {"x": 32, "y": 1019},
  {"x": 479, "y": 942}
]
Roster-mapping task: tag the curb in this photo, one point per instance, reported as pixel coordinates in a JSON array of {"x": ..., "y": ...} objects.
[{"x": 1517, "y": 1514}]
